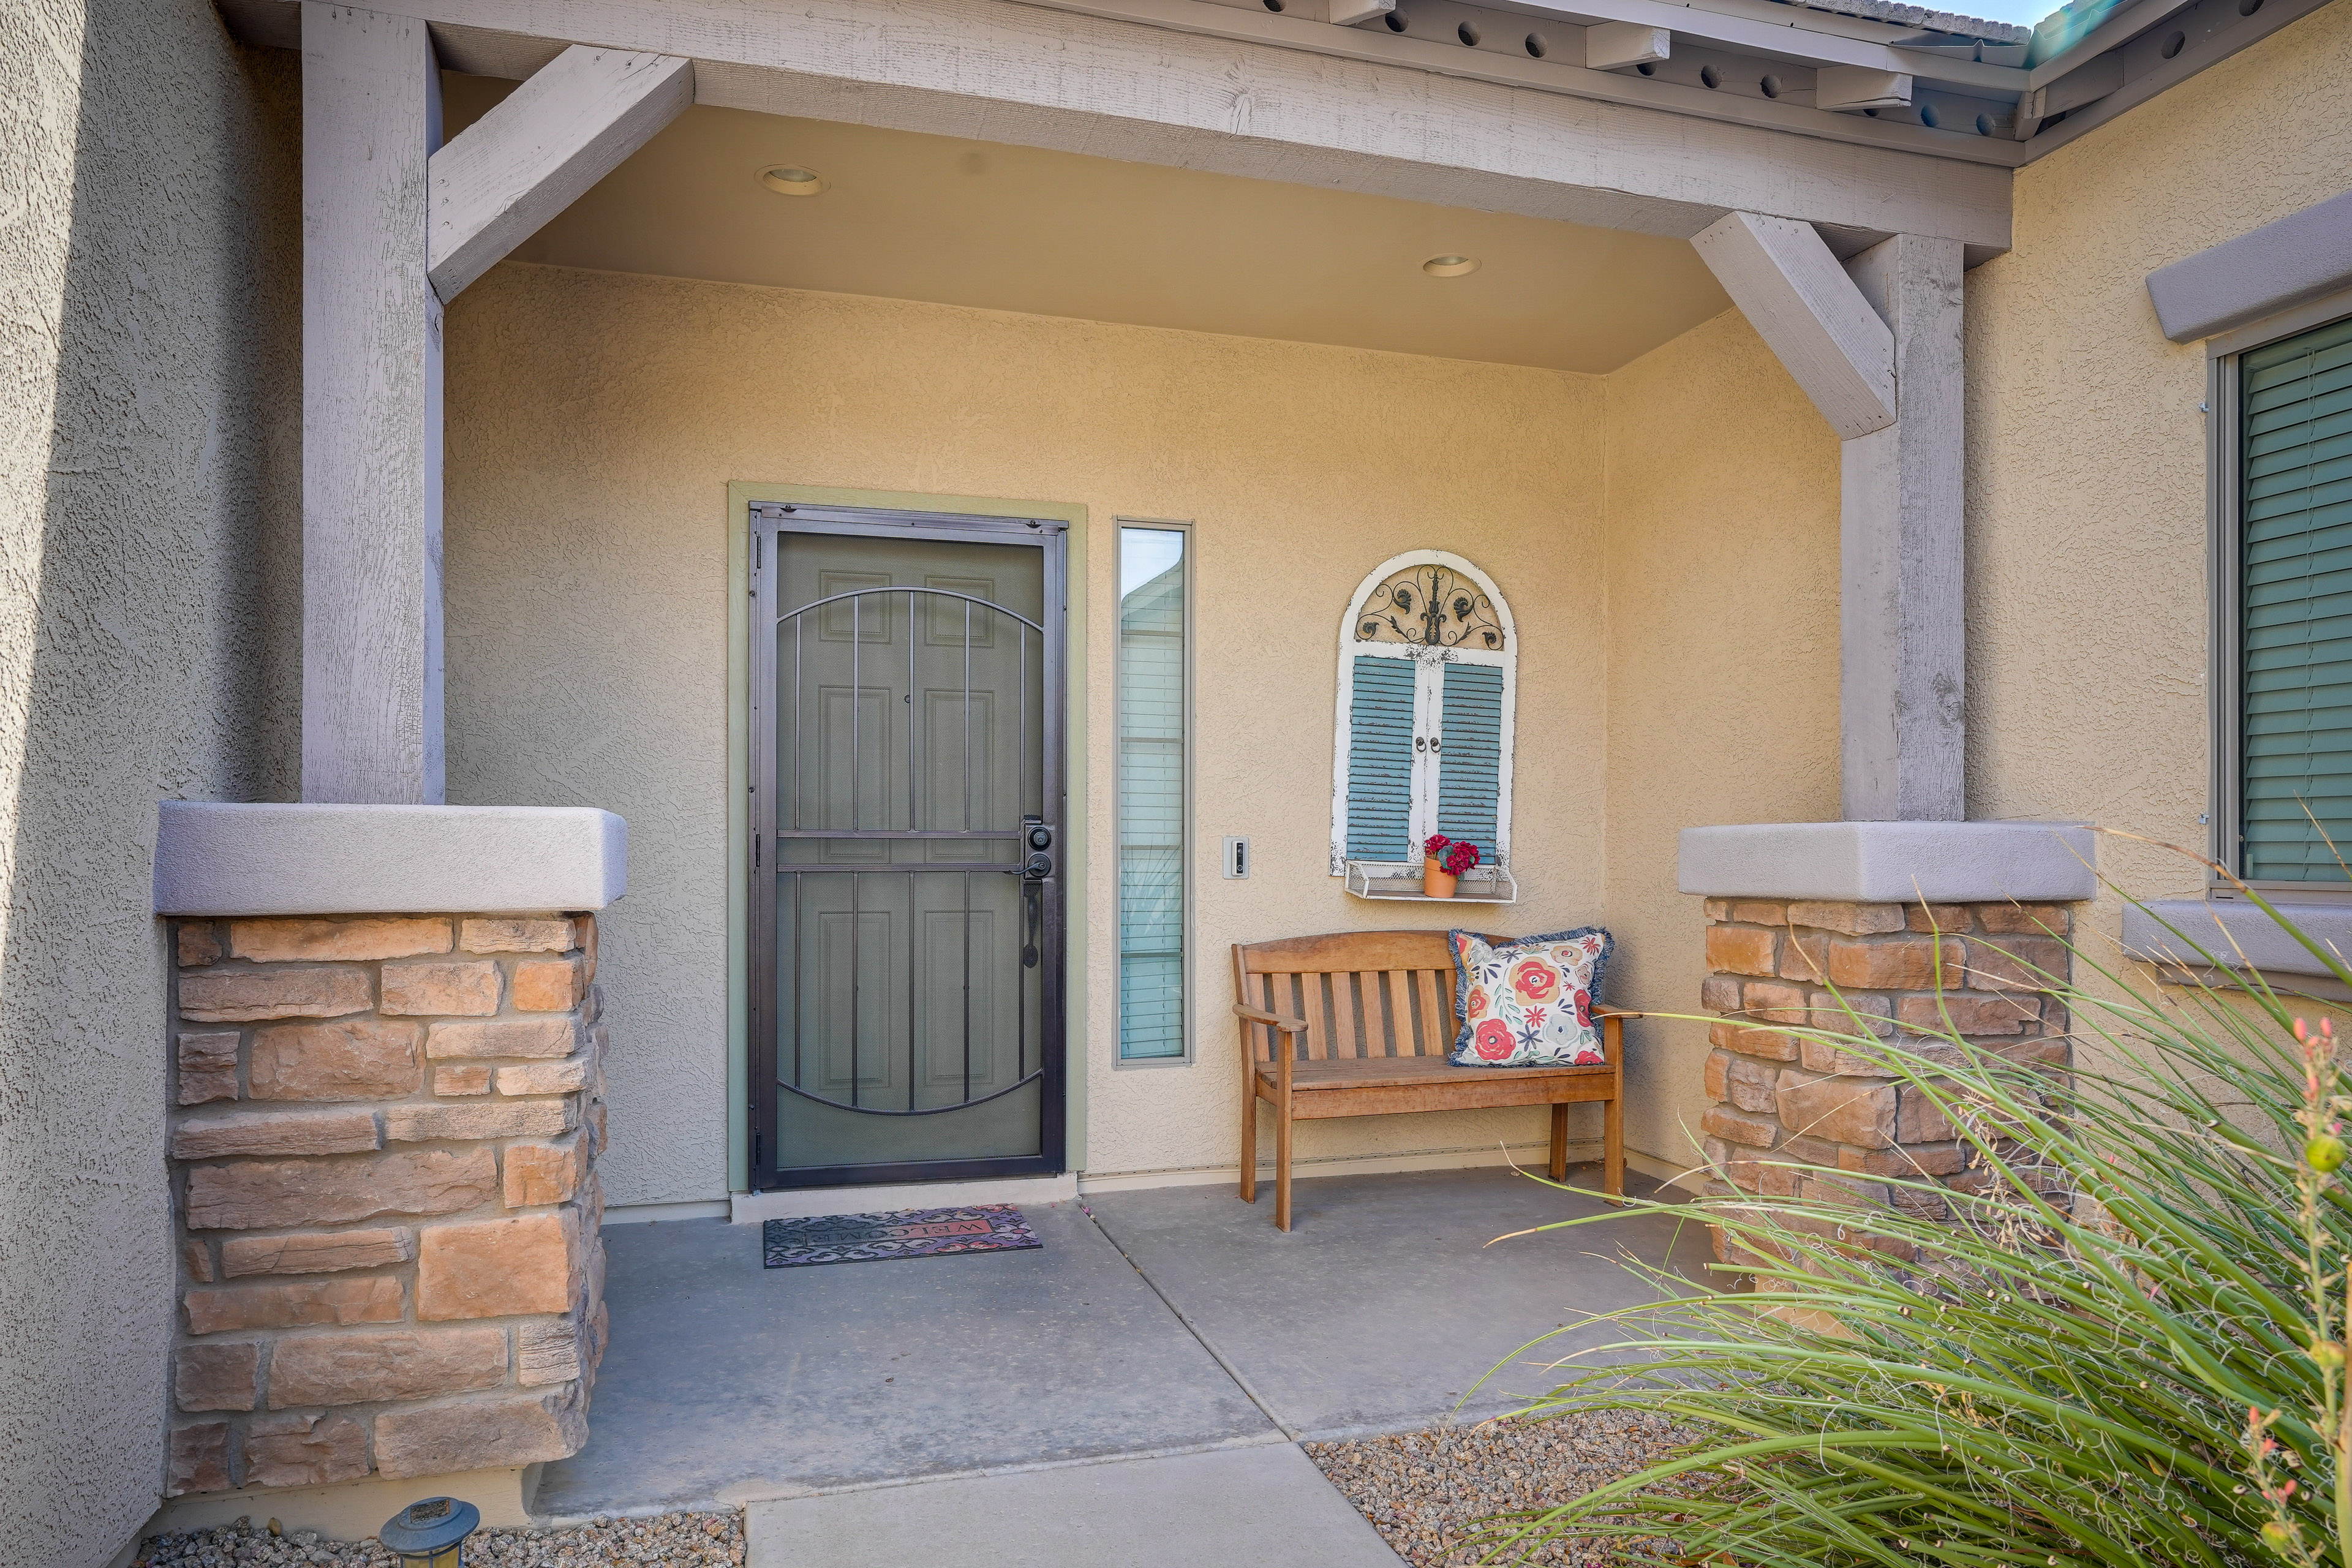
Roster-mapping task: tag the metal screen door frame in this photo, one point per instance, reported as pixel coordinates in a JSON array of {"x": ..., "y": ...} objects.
[{"x": 772, "y": 523}]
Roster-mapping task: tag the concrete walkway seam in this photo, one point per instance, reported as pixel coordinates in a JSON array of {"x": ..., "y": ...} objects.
[
  {"x": 748, "y": 1498},
  {"x": 1191, "y": 1327}
]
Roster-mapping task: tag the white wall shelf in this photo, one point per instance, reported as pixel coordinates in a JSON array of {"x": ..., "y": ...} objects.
[{"x": 1401, "y": 880}]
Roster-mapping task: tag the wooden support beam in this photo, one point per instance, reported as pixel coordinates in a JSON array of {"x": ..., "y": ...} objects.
[
  {"x": 1875, "y": 343},
  {"x": 1903, "y": 637},
  {"x": 370, "y": 412},
  {"x": 1263, "y": 96},
  {"x": 1784, "y": 279},
  {"x": 567, "y": 127}
]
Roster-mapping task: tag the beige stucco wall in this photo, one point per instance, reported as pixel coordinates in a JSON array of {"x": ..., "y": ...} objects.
[
  {"x": 594, "y": 420},
  {"x": 2087, "y": 553},
  {"x": 1723, "y": 664},
  {"x": 149, "y": 449}
]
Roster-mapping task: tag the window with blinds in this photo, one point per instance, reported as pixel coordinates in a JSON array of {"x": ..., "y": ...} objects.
[
  {"x": 2294, "y": 581},
  {"x": 1153, "y": 568},
  {"x": 1427, "y": 667}
]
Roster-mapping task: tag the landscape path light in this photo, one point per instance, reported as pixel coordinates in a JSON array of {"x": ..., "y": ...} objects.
[{"x": 431, "y": 1533}]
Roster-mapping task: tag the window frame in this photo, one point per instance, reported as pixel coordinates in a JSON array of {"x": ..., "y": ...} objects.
[
  {"x": 2224, "y": 492},
  {"x": 1189, "y": 970},
  {"x": 1430, "y": 665}
]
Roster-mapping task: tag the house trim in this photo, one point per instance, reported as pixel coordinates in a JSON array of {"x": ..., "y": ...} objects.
[
  {"x": 2260, "y": 274},
  {"x": 1384, "y": 116},
  {"x": 1892, "y": 862},
  {"x": 740, "y": 494}
]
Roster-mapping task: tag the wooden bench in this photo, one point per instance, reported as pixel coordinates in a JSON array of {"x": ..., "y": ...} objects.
[{"x": 1365, "y": 1021}]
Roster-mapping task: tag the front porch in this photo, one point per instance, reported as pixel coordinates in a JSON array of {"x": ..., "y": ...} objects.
[
  {"x": 1153, "y": 1331},
  {"x": 859, "y": 527}
]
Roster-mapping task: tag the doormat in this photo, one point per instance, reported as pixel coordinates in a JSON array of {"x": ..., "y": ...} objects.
[{"x": 902, "y": 1232}]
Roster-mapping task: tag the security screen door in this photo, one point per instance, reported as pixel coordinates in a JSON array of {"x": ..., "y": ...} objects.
[{"x": 907, "y": 812}]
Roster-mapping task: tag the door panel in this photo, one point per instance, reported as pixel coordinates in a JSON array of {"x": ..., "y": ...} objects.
[{"x": 907, "y": 935}]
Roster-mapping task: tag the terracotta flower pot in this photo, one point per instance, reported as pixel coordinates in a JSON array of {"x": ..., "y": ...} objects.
[{"x": 1436, "y": 881}]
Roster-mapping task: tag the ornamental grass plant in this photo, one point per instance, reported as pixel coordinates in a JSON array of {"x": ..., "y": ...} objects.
[{"x": 2119, "y": 1338}]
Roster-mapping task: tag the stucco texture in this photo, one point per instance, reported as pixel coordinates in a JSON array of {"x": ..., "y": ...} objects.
[
  {"x": 149, "y": 473},
  {"x": 1723, "y": 665},
  {"x": 594, "y": 421},
  {"x": 2087, "y": 584}
]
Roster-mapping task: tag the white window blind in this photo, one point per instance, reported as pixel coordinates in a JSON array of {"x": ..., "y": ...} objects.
[{"x": 1154, "y": 569}]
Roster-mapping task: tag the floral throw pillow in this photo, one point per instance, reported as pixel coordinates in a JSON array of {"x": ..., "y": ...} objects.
[{"x": 1527, "y": 1001}]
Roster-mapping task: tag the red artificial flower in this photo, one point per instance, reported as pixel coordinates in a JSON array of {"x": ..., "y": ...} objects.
[
  {"x": 1535, "y": 980},
  {"x": 1460, "y": 857},
  {"x": 1493, "y": 1040},
  {"x": 1436, "y": 845}
]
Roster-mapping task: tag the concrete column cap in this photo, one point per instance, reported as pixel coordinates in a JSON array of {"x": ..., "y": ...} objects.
[
  {"x": 1893, "y": 862},
  {"x": 218, "y": 858}
]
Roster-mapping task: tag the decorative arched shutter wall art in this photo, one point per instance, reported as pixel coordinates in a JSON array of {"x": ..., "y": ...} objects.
[{"x": 1428, "y": 675}]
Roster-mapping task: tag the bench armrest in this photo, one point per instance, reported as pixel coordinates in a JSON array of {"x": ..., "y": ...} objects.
[
  {"x": 1617, "y": 1013},
  {"x": 1260, "y": 1015}
]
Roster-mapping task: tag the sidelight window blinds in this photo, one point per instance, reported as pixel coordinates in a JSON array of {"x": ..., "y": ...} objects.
[
  {"x": 2295, "y": 606},
  {"x": 1154, "y": 588},
  {"x": 1427, "y": 664}
]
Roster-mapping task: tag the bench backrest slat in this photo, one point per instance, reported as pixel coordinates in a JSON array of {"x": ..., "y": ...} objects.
[{"x": 1361, "y": 993}]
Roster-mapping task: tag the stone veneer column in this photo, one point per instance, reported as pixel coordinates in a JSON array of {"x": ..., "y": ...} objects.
[
  {"x": 1778, "y": 1101},
  {"x": 383, "y": 1157}
]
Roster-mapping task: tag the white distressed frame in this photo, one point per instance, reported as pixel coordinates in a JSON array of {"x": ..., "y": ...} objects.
[{"x": 1428, "y": 704}]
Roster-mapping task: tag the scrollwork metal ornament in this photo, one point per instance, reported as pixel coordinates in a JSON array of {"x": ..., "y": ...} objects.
[{"x": 1431, "y": 605}]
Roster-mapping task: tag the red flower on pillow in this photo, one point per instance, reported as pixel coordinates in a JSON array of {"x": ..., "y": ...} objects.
[
  {"x": 1584, "y": 1009},
  {"x": 1477, "y": 1006},
  {"x": 1493, "y": 1040},
  {"x": 1535, "y": 980}
]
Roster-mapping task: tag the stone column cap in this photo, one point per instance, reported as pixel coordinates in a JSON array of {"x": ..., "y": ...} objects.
[
  {"x": 1892, "y": 862},
  {"x": 218, "y": 858}
]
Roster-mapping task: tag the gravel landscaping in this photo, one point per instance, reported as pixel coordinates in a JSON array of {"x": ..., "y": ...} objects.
[
  {"x": 1425, "y": 1491},
  {"x": 681, "y": 1539}
]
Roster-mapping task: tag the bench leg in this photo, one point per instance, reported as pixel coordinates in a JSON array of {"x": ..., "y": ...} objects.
[
  {"x": 1282, "y": 1167},
  {"x": 1560, "y": 1143},
  {"x": 1249, "y": 1132},
  {"x": 1613, "y": 1143}
]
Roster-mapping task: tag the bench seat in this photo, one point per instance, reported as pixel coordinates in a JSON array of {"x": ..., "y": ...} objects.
[
  {"x": 1428, "y": 1083},
  {"x": 1362, "y": 1023}
]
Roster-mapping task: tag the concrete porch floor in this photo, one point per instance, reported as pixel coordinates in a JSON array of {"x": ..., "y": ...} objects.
[{"x": 1152, "y": 1329}]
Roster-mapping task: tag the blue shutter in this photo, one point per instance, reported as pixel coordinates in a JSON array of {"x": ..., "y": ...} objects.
[
  {"x": 2296, "y": 538},
  {"x": 1379, "y": 759},
  {"x": 1470, "y": 763}
]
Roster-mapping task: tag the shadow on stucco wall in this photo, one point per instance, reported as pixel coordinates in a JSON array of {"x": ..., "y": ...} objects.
[{"x": 149, "y": 623}]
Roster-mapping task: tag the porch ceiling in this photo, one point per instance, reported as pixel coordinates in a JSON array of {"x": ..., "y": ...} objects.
[{"x": 916, "y": 216}]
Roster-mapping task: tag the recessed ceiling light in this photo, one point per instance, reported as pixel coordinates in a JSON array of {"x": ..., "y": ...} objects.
[
  {"x": 1450, "y": 266},
  {"x": 792, "y": 180}
]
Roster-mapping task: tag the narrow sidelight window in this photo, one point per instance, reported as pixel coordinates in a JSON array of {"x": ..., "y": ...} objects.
[{"x": 1154, "y": 701}]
